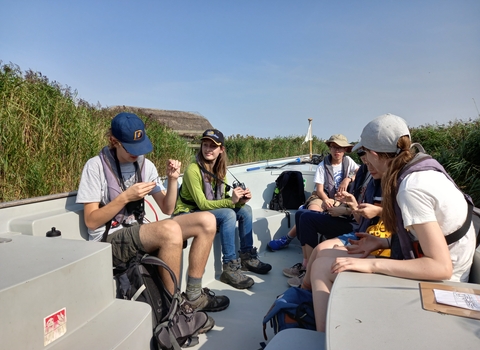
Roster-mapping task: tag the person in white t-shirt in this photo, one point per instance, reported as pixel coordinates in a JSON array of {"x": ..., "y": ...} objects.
[
  {"x": 112, "y": 188},
  {"x": 431, "y": 207}
]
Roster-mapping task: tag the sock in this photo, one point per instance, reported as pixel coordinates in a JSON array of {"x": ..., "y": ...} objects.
[
  {"x": 289, "y": 239},
  {"x": 194, "y": 288}
]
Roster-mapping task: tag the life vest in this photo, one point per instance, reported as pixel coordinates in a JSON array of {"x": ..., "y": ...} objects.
[
  {"x": 405, "y": 246},
  {"x": 111, "y": 167},
  {"x": 329, "y": 184}
]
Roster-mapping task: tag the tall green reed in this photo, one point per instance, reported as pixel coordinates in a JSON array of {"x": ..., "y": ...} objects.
[{"x": 48, "y": 134}]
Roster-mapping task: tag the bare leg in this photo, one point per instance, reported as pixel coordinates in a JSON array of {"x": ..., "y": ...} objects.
[
  {"x": 328, "y": 244},
  {"x": 166, "y": 236},
  {"x": 322, "y": 281},
  {"x": 202, "y": 227},
  {"x": 293, "y": 232}
]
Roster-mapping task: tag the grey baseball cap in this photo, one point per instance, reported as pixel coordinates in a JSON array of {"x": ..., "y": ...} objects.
[{"x": 382, "y": 134}]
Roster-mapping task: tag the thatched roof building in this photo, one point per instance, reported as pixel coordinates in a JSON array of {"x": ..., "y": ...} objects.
[{"x": 186, "y": 124}]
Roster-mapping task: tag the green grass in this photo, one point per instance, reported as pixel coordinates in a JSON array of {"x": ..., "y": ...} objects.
[{"x": 47, "y": 135}]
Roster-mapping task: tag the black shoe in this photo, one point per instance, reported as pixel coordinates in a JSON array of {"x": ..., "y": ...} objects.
[
  {"x": 208, "y": 301},
  {"x": 250, "y": 262}
]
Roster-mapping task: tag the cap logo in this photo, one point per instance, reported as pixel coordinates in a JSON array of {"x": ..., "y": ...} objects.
[
  {"x": 211, "y": 133},
  {"x": 137, "y": 135}
]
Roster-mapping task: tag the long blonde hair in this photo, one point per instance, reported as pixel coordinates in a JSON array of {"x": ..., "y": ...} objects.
[
  {"x": 219, "y": 168},
  {"x": 389, "y": 181}
]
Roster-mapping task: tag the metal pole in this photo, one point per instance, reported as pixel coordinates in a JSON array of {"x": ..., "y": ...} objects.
[{"x": 309, "y": 128}]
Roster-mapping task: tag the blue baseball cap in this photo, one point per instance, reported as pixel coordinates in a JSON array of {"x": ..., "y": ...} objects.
[{"x": 129, "y": 130}]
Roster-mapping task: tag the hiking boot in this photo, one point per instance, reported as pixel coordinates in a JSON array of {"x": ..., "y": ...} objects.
[
  {"x": 297, "y": 280},
  {"x": 208, "y": 301},
  {"x": 250, "y": 262},
  {"x": 233, "y": 276},
  {"x": 277, "y": 244},
  {"x": 293, "y": 271}
]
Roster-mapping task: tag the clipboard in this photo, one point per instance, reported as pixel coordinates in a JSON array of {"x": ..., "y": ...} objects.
[{"x": 429, "y": 303}]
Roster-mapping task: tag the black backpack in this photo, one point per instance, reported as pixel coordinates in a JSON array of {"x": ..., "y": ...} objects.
[
  {"x": 289, "y": 191},
  {"x": 175, "y": 324}
]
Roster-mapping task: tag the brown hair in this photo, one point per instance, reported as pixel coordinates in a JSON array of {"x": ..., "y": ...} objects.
[
  {"x": 220, "y": 166},
  {"x": 112, "y": 141},
  {"x": 389, "y": 181}
]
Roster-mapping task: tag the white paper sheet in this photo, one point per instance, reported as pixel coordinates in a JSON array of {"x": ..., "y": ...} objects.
[{"x": 463, "y": 300}]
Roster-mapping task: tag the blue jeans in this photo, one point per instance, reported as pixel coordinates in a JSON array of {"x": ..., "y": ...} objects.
[{"x": 226, "y": 222}]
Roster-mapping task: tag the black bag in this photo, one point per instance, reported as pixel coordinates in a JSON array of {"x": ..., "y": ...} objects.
[
  {"x": 289, "y": 191},
  {"x": 175, "y": 324}
]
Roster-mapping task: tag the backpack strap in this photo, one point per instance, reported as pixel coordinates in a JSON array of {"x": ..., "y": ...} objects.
[{"x": 423, "y": 162}]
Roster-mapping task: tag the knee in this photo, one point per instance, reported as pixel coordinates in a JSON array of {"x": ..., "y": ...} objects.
[
  {"x": 169, "y": 232},
  {"x": 246, "y": 212},
  {"x": 208, "y": 223}
]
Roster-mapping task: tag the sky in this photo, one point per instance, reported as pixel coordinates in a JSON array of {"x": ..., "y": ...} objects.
[{"x": 258, "y": 67}]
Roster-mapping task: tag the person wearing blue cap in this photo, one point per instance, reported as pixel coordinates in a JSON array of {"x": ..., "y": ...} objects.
[{"x": 113, "y": 187}]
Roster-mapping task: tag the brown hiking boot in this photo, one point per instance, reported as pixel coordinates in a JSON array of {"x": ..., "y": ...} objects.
[
  {"x": 208, "y": 301},
  {"x": 233, "y": 276}
]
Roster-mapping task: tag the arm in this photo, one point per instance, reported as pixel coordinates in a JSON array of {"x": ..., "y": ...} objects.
[
  {"x": 167, "y": 200},
  {"x": 435, "y": 265},
  {"x": 193, "y": 182},
  {"x": 95, "y": 216},
  {"x": 350, "y": 176}
]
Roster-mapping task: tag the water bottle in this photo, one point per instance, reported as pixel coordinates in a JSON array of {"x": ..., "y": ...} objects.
[{"x": 54, "y": 233}]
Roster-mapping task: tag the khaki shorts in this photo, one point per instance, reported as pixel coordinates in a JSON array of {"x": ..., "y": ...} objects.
[
  {"x": 125, "y": 244},
  {"x": 315, "y": 200}
]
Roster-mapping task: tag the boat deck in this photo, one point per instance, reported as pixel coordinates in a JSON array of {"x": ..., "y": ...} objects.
[{"x": 240, "y": 325}]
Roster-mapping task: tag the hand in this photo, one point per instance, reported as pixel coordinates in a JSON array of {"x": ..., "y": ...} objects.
[
  {"x": 139, "y": 190},
  {"x": 365, "y": 245},
  {"x": 368, "y": 211},
  {"x": 327, "y": 203},
  {"x": 247, "y": 195},
  {"x": 237, "y": 194},
  {"x": 173, "y": 168},
  {"x": 347, "y": 198},
  {"x": 344, "y": 185},
  {"x": 352, "y": 264}
]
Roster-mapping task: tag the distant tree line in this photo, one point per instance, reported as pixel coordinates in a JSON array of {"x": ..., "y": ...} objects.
[{"x": 48, "y": 133}]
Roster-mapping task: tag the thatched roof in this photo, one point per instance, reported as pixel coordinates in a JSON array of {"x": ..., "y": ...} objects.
[{"x": 187, "y": 124}]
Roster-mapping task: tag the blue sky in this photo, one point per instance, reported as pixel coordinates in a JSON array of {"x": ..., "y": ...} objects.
[{"x": 260, "y": 68}]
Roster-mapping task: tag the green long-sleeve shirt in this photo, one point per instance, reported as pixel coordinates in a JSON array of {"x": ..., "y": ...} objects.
[{"x": 192, "y": 190}]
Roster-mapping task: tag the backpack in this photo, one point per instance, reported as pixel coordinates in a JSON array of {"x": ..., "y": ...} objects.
[
  {"x": 289, "y": 191},
  {"x": 292, "y": 309},
  {"x": 175, "y": 324}
]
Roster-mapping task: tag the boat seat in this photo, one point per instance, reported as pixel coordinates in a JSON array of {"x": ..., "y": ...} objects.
[{"x": 297, "y": 338}]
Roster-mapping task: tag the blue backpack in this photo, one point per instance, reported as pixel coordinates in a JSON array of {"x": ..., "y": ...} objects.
[{"x": 292, "y": 309}]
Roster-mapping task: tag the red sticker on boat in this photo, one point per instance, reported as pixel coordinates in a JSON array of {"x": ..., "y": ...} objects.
[{"x": 55, "y": 326}]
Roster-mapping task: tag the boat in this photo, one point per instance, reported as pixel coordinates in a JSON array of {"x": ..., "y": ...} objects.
[{"x": 57, "y": 290}]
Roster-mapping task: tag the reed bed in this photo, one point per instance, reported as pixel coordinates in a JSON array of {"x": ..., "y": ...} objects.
[{"x": 48, "y": 134}]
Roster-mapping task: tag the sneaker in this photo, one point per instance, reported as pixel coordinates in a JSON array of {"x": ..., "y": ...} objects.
[
  {"x": 208, "y": 301},
  {"x": 293, "y": 271},
  {"x": 297, "y": 280},
  {"x": 250, "y": 262},
  {"x": 277, "y": 244},
  {"x": 233, "y": 276}
]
